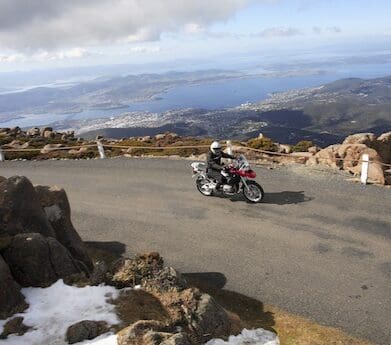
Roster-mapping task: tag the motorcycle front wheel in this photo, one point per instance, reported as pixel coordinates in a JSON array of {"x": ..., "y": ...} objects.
[
  {"x": 203, "y": 187},
  {"x": 254, "y": 193}
]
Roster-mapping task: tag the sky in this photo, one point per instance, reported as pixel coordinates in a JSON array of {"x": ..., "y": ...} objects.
[{"x": 55, "y": 33}]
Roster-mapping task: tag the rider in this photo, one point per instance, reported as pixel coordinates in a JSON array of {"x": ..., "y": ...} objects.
[{"x": 215, "y": 166}]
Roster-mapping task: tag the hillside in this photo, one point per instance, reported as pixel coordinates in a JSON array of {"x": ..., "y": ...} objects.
[{"x": 324, "y": 115}]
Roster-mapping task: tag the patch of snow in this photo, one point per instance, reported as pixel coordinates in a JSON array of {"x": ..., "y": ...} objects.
[
  {"x": 249, "y": 337},
  {"x": 53, "y": 309}
]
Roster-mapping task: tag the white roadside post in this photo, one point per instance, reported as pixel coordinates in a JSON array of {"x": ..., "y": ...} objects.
[
  {"x": 2, "y": 158},
  {"x": 229, "y": 147},
  {"x": 364, "y": 168},
  {"x": 101, "y": 150}
]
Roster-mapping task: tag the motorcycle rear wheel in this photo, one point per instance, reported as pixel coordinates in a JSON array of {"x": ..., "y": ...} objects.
[
  {"x": 254, "y": 193},
  {"x": 202, "y": 188}
]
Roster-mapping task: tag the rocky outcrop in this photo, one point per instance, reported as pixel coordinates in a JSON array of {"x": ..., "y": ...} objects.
[
  {"x": 58, "y": 211},
  {"x": 20, "y": 209},
  {"x": 85, "y": 330},
  {"x": 129, "y": 272},
  {"x": 38, "y": 261},
  {"x": 382, "y": 144},
  {"x": 348, "y": 155},
  {"x": 37, "y": 239},
  {"x": 11, "y": 299}
]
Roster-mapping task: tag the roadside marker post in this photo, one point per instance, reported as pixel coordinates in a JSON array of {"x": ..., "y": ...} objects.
[
  {"x": 229, "y": 148},
  {"x": 101, "y": 150},
  {"x": 364, "y": 168},
  {"x": 2, "y": 157}
]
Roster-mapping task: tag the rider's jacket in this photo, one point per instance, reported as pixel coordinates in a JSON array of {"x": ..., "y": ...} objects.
[{"x": 214, "y": 160}]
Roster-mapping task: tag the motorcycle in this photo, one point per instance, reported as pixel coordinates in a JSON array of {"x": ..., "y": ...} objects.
[{"x": 238, "y": 179}]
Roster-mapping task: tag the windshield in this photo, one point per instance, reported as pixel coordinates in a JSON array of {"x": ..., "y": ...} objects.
[{"x": 242, "y": 162}]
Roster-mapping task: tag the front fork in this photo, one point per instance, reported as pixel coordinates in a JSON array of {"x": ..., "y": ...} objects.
[{"x": 244, "y": 182}]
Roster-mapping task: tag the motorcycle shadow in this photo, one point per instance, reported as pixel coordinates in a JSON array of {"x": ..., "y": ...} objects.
[{"x": 277, "y": 198}]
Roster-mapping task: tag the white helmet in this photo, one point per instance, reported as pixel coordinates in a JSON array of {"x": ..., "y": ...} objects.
[{"x": 215, "y": 146}]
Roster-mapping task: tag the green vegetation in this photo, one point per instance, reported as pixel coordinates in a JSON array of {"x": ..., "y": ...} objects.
[
  {"x": 262, "y": 144},
  {"x": 302, "y": 146}
]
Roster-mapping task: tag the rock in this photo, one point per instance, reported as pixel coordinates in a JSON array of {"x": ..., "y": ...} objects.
[
  {"x": 99, "y": 137},
  {"x": 177, "y": 339},
  {"x": 143, "y": 332},
  {"x": 85, "y": 330},
  {"x": 99, "y": 273},
  {"x": 167, "y": 279},
  {"x": 314, "y": 149},
  {"x": 11, "y": 299},
  {"x": 50, "y": 147},
  {"x": 38, "y": 261},
  {"x": 15, "y": 131},
  {"x": 210, "y": 320},
  {"x": 33, "y": 132},
  {"x": 145, "y": 139},
  {"x": 130, "y": 272},
  {"x": 160, "y": 136},
  {"x": 360, "y": 138},
  {"x": 20, "y": 209},
  {"x": 17, "y": 144},
  {"x": 45, "y": 129},
  {"x": 284, "y": 148},
  {"x": 5, "y": 240},
  {"x": 58, "y": 211},
  {"x": 48, "y": 134},
  {"x": 79, "y": 151},
  {"x": 14, "y": 326}
]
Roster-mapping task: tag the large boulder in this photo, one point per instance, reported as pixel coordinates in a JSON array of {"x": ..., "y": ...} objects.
[
  {"x": 11, "y": 299},
  {"x": 55, "y": 203},
  {"x": 20, "y": 209},
  {"x": 39, "y": 261}
]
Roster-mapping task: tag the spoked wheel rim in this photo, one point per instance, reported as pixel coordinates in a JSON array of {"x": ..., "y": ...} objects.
[
  {"x": 253, "y": 193},
  {"x": 203, "y": 188}
]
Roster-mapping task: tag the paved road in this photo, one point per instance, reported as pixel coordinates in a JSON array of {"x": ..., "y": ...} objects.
[{"x": 319, "y": 246}]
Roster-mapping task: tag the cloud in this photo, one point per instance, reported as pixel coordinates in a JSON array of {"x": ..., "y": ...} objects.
[
  {"x": 12, "y": 58},
  {"x": 331, "y": 29},
  {"x": 279, "y": 32},
  {"x": 44, "y": 55},
  {"x": 334, "y": 29},
  {"x": 143, "y": 50},
  {"x": 27, "y": 25}
]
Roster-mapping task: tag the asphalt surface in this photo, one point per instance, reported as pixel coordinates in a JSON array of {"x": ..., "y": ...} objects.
[{"x": 318, "y": 246}]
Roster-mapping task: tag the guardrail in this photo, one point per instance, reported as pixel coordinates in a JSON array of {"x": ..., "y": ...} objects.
[{"x": 364, "y": 160}]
